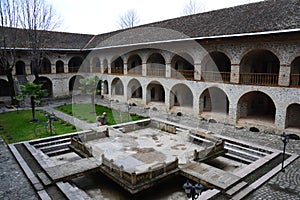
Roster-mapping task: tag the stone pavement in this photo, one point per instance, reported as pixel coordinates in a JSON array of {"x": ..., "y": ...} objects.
[
  {"x": 13, "y": 183},
  {"x": 285, "y": 185}
]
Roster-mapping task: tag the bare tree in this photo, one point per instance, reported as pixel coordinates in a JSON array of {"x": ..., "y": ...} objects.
[
  {"x": 193, "y": 7},
  {"x": 129, "y": 19},
  {"x": 36, "y": 16},
  {"x": 8, "y": 18}
]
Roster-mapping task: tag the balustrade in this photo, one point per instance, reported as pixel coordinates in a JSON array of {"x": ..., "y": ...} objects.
[{"x": 259, "y": 79}]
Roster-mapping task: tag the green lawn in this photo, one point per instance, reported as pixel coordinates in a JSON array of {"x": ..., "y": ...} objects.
[
  {"x": 15, "y": 126},
  {"x": 83, "y": 112}
]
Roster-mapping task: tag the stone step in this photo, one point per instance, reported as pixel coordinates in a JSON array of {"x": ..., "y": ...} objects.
[
  {"x": 59, "y": 152},
  {"x": 55, "y": 147},
  {"x": 248, "y": 149},
  {"x": 237, "y": 158},
  {"x": 242, "y": 153},
  {"x": 235, "y": 189},
  {"x": 51, "y": 142}
]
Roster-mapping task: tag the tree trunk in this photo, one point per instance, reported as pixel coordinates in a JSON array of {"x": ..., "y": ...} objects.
[
  {"x": 33, "y": 109},
  {"x": 35, "y": 69},
  {"x": 93, "y": 103},
  {"x": 11, "y": 84}
]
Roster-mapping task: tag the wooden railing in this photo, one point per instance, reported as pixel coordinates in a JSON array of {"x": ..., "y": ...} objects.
[
  {"x": 117, "y": 70},
  {"x": 96, "y": 69},
  {"x": 156, "y": 72},
  {"x": 183, "y": 74},
  {"x": 135, "y": 71},
  {"x": 295, "y": 80},
  {"x": 73, "y": 69},
  {"x": 211, "y": 76},
  {"x": 259, "y": 79}
]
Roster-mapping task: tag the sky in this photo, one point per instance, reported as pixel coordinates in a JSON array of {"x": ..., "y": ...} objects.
[{"x": 101, "y": 16}]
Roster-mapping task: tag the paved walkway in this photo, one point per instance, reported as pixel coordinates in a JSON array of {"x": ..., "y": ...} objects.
[
  {"x": 13, "y": 183},
  {"x": 282, "y": 186}
]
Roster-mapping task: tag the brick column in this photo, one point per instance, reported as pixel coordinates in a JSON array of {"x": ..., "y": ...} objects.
[
  {"x": 144, "y": 69},
  {"x": 197, "y": 72},
  {"x": 125, "y": 68},
  {"x": 235, "y": 73},
  {"x": 168, "y": 70},
  {"x": 284, "y": 75},
  {"x": 53, "y": 69}
]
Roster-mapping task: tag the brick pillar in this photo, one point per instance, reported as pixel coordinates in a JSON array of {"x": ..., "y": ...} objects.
[
  {"x": 284, "y": 75},
  {"x": 66, "y": 68},
  {"x": 168, "y": 70},
  {"x": 197, "y": 72},
  {"x": 235, "y": 73},
  {"x": 144, "y": 69},
  {"x": 125, "y": 68},
  {"x": 53, "y": 69},
  {"x": 109, "y": 67}
]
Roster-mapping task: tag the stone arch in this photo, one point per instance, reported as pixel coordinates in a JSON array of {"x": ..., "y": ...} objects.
[
  {"x": 155, "y": 92},
  {"x": 256, "y": 105},
  {"x": 117, "y": 87},
  {"x": 259, "y": 67},
  {"x": 59, "y": 65},
  {"x": 4, "y": 88},
  {"x": 134, "y": 65},
  {"x": 134, "y": 89},
  {"x": 181, "y": 95},
  {"x": 214, "y": 100},
  {"x": 216, "y": 67},
  {"x": 156, "y": 65},
  {"x": 45, "y": 66},
  {"x": 74, "y": 64},
  {"x": 96, "y": 65},
  {"x": 295, "y": 72},
  {"x": 74, "y": 83},
  {"x": 292, "y": 116},
  {"x": 117, "y": 66},
  {"x": 46, "y": 85},
  {"x": 182, "y": 66},
  {"x": 20, "y": 68}
]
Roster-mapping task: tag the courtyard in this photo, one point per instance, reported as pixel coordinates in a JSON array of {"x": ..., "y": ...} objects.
[{"x": 154, "y": 147}]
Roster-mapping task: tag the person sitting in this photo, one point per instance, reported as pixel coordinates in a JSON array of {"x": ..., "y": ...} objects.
[{"x": 102, "y": 120}]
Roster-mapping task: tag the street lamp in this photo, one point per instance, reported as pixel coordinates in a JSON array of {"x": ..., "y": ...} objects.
[
  {"x": 51, "y": 117},
  {"x": 193, "y": 191},
  {"x": 285, "y": 139}
]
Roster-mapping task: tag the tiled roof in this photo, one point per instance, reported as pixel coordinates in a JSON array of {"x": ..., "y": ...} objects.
[{"x": 268, "y": 15}]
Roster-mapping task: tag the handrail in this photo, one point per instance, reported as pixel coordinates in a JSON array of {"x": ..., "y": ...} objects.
[
  {"x": 212, "y": 76},
  {"x": 156, "y": 72},
  {"x": 259, "y": 78},
  {"x": 295, "y": 80},
  {"x": 181, "y": 73}
]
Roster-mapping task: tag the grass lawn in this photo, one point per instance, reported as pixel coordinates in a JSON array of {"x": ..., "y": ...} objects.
[
  {"x": 83, "y": 112},
  {"x": 15, "y": 126}
]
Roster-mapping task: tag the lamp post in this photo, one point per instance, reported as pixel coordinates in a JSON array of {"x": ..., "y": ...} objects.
[
  {"x": 285, "y": 139},
  {"x": 193, "y": 191},
  {"x": 51, "y": 117}
]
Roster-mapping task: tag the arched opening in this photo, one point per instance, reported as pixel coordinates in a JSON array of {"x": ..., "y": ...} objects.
[
  {"x": 182, "y": 67},
  {"x": 74, "y": 83},
  {"x": 96, "y": 66},
  {"x": 117, "y": 87},
  {"x": 20, "y": 68},
  {"x": 117, "y": 66},
  {"x": 181, "y": 96},
  {"x": 59, "y": 67},
  {"x": 46, "y": 85},
  {"x": 256, "y": 106},
  {"x": 259, "y": 67},
  {"x": 134, "y": 89},
  {"x": 45, "y": 66},
  {"x": 105, "y": 87},
  {"x": 74, "y": 64},
  {"x": 155, "y": 92},
  {"x": 214, "y": 101},
  {"x": 295, "y": 72},
  {"x": 292, "y": 116},
  {"x": 4, "y": 88},
  {"x": 156, "y": 65},
  {"x": 134, "y": 65},
  {"x": 216, "y": 67}
]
